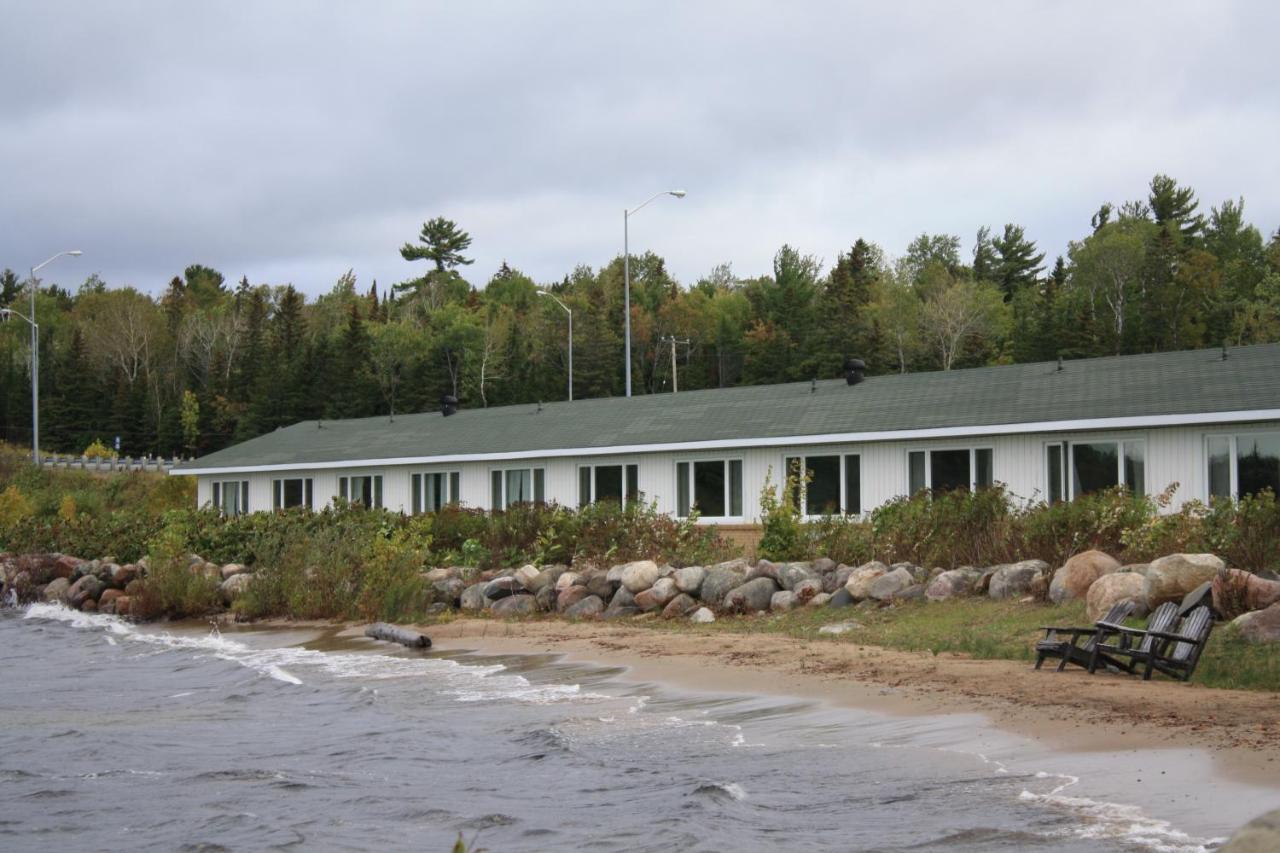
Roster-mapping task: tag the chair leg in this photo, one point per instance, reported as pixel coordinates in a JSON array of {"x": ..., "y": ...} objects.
[
  {"x": 1063, "y": 664},
  {"x": 1039, "y": 659},
  {"x": 1146, "y": 673}
]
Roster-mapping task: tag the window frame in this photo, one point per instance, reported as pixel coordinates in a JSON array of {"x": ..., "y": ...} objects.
[
  {"x": 928, "y": 464},
  {"x": 418, "y": 492},
  {"x": 277, "y": 493},
  {"x": 376, "y": 485},
  {"x": 1069, "y": 485},
  {"x": 690, "y": 485},
  {"x": 843, "y": 458},
  {"x": 499, "y": 503},
  {"x": 631, "y": 493},
  {"x": 241, "y": 491},
  {"x": 1233, "y": 457}
]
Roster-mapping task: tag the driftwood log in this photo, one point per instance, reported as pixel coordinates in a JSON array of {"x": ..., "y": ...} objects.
[{"x": 394, "y": 634}]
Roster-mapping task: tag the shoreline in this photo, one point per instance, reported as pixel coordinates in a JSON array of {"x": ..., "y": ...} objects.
[{"x": 1239, "y": 731}]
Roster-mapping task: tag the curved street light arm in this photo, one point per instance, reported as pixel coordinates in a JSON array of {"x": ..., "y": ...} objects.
[{"x": 5, "y": 312}]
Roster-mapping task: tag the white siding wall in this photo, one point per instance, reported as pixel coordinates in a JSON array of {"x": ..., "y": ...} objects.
[{"x": 1173, "y": 455}]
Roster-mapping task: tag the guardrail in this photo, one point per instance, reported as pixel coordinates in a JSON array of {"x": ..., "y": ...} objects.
[{"x": 119, "y": 463}]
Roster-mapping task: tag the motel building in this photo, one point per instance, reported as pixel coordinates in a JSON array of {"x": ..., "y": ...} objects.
[{"x": 1207, "y": 420}]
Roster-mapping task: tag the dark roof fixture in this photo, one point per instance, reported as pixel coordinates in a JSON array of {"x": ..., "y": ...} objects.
[
  {"x": 448, "y": 405},
  {"x": 1059, "y": 364},
  {"x": 854, "y": 370},
  {"x": 813, "y": 385},
  {"x": 1224, "y": 351}
]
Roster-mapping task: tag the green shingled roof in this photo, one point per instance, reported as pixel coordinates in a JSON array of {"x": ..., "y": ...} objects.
[{"x": 1197, "y": 381}]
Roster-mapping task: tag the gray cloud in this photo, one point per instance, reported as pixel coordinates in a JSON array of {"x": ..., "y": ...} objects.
[{"x": 290, "y": 141}]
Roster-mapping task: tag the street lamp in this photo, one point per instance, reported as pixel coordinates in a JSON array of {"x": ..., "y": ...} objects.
[
  {"x": 626, "y": 271},
  {"x": 568, "y": 311},
  {"x": 35, "y": 354}
]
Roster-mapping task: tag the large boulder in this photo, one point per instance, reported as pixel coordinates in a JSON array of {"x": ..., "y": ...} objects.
[
  {"x": 473, "y": 597},
  {"x": 806, "y": 590},
  {"x": 545, "y": 597},
  {"x": 791, "y": 574},
  {"x": 682, "y": 605},
  {"x": 520, "y": 604},
  {"x": 1237, "y": 591},
  {"x": 1077, "y": 574},
  {"x": 499, "y": 588},
  {"x": 88, "y": 588},
  {"x": 449, "y": 589},
  {"x": 1016, "y": 580},
  {"x": 689, "y": 579},
  {"x": 840, "y": 598},
  {"x": 702, "y": 616},
  {"x": 919, "y": 573},
  {"x": 718, "y": 582},
  {"x": 601, "y": 587},
  {"x": 657, "y": 596},
  {"x": 953, "y": 583},
  {"x": 530, "y": 577},
  {"x": 229, "y": 570},
  {"x": 570, "y": 596},
  {"x": 590, "y": 607},
  {"x": 567, "y": 580},
  {"x": 861, "y": 578},
  {"x": 751, "y": 597},
  {"x": 640, "y": 575},
  {"x": 782, "y": 601},
  {"x": 1171, "y": 578},
  {"x": 122, "y": 575},
  {"x": 1260, "y": 835},
  {"x": 822, "y": 565},
  {"x": 56, "y": 590},
  {"x": 1111, "y": 589},
  {"x": 818, "y": 600},
  {"x": 890, "y": 584},
  {"x": 1260, "y": 626},
  {"x": 623, "y": 604},
  {"x": 234, "y": 587},
  {"x": 764, "y": 569}
]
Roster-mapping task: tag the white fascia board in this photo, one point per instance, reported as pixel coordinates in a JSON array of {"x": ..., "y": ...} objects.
[{"x": 1078, "y": 425}]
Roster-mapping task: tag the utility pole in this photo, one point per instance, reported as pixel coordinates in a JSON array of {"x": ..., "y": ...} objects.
[{"x": 671, "y": 339}]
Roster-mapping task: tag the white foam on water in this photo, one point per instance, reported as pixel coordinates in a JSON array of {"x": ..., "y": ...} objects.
[
  {"x": 734, "y": 790},
  {"x": 1121, "y": 822},
  {"x": 466, "y": 683}
]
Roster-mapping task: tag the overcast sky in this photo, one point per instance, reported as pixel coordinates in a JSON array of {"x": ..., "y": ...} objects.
[{"x": 292, "y": 141}]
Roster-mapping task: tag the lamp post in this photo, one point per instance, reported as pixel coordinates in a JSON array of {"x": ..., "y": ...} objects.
[
  {"x": 626, "y": 271},
  {"x": 568, "y": 311},
  {"x": 35, "y": 355}
]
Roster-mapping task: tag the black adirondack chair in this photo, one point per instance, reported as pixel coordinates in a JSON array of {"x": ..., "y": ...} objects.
[
  {"x": 1133, "y": 645},
  {"x": 1066, "y": 643},
  {"x": 1178, "y": 656}
]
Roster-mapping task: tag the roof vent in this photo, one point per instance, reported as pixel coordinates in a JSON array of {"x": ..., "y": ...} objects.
[
  {"x": 448, "y": 405},
  {"x": 854, "y": 370}
]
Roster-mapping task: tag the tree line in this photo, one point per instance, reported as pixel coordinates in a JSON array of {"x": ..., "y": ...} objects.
[{"x": 210, "y": 362}]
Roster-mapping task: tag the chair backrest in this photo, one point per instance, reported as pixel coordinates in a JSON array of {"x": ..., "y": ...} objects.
[
  {"x": 1118, "y": 613},
  {"x": 1195, "y": 627},
  {"x": 1161, "y": 619}
]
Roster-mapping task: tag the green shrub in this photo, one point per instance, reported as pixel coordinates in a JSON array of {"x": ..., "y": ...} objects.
[
  {"x": 172, "y": 586},
  {"x": 782, "y": 530}
]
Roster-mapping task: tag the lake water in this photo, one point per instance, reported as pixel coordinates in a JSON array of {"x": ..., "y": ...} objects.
[{"x": 119, "y": 737}]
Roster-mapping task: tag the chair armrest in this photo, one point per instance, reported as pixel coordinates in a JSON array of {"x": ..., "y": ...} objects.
[
  {"x": 1074, "y": 630},
  {"x": 1167, "y": 635},
  {"x": 1121, "y": 629}
]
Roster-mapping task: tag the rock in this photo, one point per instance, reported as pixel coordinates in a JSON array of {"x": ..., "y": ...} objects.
[
  {"x": 449, "y": 590},
  {"x": 861, "y": 578},
  {"x": 702, "y": 616},
  {"x": 88, "y": 588},
  {"x": 437, "y": 575},
  {"x": 750, "y": 597},
  {"x": 640, "y": 575},
  {"x": 232, "y": 588},
  {"x": 615, "y": 574},
  {"x": 518, "y": 604},
  {"x": 56, "y": 591},
  {"x": 230, "y": 570},
  {"x": 818, "y": 600},
  {"x": 889, "y": 584},
  {"x": 840, "y": 598},
  {"x": 1111, "y": 589},
  {"x": 689, "y": 579},
  {"x": 623, "y": 598},
  {"x": 530, "y": 578},
  {"x": 1260, "y": 835},
  {"x": 570, "y": 596},
  {"x": 1236, "y": 591},
  {"x": 915, "y": 592},
  {"x": 89, "y": 606},
  {"x": 1172, "y": 577},
  {"x": 657, "y": 596},
  {"x": 473, "y": 597},
  {"x": 682, "y": 605},
  {"x": 791, "y": 574},
  {"x": 839, "y": 628},
  {"x": 718, "y": 582},
  {"x": 567, "y": 580},
  {"x": 953, "y": 583},
  {"x": 1077, "y": 574},
  {"x": 545, "y": 597},
  {"x": 919, "y": 573},
  {"x": 63, "y": 565},
  {"x": 121, "y": 576},
  {"x": 208, "y": 571},
  {"x": 738, "y": 564},
  {"x": 108, "y": 598},
  {"x": 499, "y": 588},
  {"x": 822, "y": 565},
  {"x": 806, "y": 590},
  {"x": 600, "y": 585},
  {"x": 984, "y": 582},
  {"x": 590, "y": 607},
  {"x": 1137, "y": 568},
  {"x": 782, "y": 601},
  {"x": 134, "y": 588},
  {"x": 763, "y": 569},
  {"x": 612, "y": 612},
  {"x": 127, "y": 606},
  {"x": 1260, "y": 626},
  {"x": 553, "y": 572},
  {"x": 1016, "y": 580}
]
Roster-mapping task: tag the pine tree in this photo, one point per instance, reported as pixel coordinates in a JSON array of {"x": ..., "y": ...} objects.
[
  {"x": 443, "y": 244},
  {"x": 984, "y": 256},
  {"x": 1019, "y": 263},
  {"x": 1175, "y": 205}
]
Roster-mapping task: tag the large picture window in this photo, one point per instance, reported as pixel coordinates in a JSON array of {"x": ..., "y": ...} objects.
[
  {"x": 713, "y": 487},
  {"x": 291, "y": 492},
  {"x": 834, "y": 484},
  {"x": 365, "y": 490},
  {"x": 1096, "y": 465},
  {"x": 1243, "y": 464},
  {"x": 517, "y": 485},
  {"x": 432, "y": 491},
  {"x": 948, "y": 470},
  {"x": 231, "y": 497},
  {"x": 616, "y": 484}
]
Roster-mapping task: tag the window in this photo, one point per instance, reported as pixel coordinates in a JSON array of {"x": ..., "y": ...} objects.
[
  {"x": 1097, "y": 465},
  {"x": 948, "y": 470},
  {"x": 1056, "y": 460},
  {"x": 432, "y": 491},
  {"x": 291, "y": 492},
  {"x": 715, "y": 486},
  {"x": 1242, "y": 465},
  {"x": 231, "y": 497},
  {"x": 608, "y": 483},
  {"x": 517, "y": 485},
  {"x": 832, "y": 488},
  {"x": 364, "y": 490}
]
